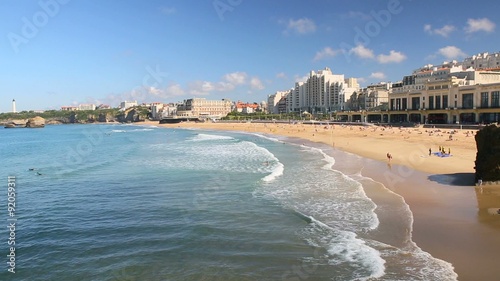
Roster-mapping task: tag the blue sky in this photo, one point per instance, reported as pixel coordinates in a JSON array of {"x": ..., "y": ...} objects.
[{"x": 66, "y": 52}]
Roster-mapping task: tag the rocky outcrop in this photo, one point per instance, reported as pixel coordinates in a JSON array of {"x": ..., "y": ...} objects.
[
  {"x": 73, "y": 118},
  {"x": 54, "y": 122},
  {"x": 35, "y": 122},
  {"x": 488, "y": 154},
  {"x": 15, "y": 123},
  {"x": 102, "y": 117},
  {"x": 130, "y": 116}
]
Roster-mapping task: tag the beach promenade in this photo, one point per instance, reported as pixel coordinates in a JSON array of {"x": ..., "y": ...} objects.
[{"x": 453, "y": 218}]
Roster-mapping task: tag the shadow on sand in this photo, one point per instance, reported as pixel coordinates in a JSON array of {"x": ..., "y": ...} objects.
[{"x": 458, "y": 179}]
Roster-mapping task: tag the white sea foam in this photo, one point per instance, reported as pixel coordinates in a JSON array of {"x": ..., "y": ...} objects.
[
  {"x": 329, "y": 159},
  {"x": 277, "y": 171},
  {"x": 428, "y": 267},
  {"x": 134, "y": 130},
  {"x": 268, "y": 138},
  {"x": 345, "y": 249},
  {"x": 209, "y": 137},
  {"x": 212, "y": 152}
]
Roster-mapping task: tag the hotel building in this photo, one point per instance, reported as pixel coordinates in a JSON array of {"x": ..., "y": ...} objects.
[
  {"x": 451, "y": 93},
  {"x": 203, "y": 108}
]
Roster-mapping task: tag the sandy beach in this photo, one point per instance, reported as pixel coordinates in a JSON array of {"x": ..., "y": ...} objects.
[{"x": 454, "y": 220}]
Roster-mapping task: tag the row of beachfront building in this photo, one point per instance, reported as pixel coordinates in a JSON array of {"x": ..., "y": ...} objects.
[{"x": 453, "y": 92}]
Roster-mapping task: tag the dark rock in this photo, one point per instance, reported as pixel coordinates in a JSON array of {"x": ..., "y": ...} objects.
[{"x": 488, "y": 154}]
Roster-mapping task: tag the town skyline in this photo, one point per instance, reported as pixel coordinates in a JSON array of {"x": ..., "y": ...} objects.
[{"x": 63, "y": 53}]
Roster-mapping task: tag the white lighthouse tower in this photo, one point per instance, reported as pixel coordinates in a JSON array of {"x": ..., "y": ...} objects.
[{"x": 14, "y": 106}]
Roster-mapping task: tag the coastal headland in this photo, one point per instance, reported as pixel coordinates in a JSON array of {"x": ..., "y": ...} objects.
[{"x": 432, "y": 169}]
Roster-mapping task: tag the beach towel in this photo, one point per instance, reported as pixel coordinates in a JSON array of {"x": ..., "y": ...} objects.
[{"x": 440, "y": 154}]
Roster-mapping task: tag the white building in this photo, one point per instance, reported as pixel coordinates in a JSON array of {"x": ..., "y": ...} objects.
[
  {"x": 86, "y": 106},
  {"x": 274, "y": 99},
  {"x": 127, "y": 104},
  {"x": 169, "y": 110},
  {"x": 326, "y": 92},
  {"x": 156, "y": 110},
  {"x": 297, "y": 98},
  {"x": 203, "y": 108},
  {"x": 483, "y": 61}
]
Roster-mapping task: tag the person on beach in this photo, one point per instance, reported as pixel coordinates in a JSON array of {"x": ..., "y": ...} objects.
[
  {"x": 389, "y": 157},
  {"x": 430, "y": 152}
]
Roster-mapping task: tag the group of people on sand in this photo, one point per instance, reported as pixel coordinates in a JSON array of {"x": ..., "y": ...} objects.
[{"x": 442, "y": 150}]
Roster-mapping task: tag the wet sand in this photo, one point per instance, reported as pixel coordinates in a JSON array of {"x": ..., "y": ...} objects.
[{"x": 454, "y": 220}]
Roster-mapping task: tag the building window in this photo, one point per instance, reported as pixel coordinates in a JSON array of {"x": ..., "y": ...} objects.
[
  {"x": 438, "y": 102},
  {"x": 495, "y": 99},
  {"x": 445, "y": 101},
  {"x": 484, "y": 99},
  {"x": 431, "y": 102},
  {"x": 415, "y": 103},
  {"x": 467, "y": 100}
]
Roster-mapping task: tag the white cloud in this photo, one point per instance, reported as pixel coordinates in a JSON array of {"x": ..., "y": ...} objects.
[
  {"x": 154, "y": 91},
  {"x": 236, "y": 78},
  {"x": 326, "y": 53},
  {"x": 378, "y": 75},
  {"x": 255, "y": 83},
  {"x": 393, "y": 56},
  {"x": 229, "y": 82},
  {"x": 361, "y": 80},
  {"x": 475, "y": 25},
  {"x": 443, "y": 31},
  {"x": 298, "y": 78},
  {"x": 281, "y": 75},
  {"x": 200, "y": 88},
  {"x": 301, "y": 26},
  {"x": 451, "y": 52},
  {"x": 362, "y": 52},
  {"x": 174, "y": 90}
]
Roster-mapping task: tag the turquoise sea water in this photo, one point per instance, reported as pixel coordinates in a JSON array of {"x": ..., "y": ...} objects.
[{"x": 122, "y": 202}]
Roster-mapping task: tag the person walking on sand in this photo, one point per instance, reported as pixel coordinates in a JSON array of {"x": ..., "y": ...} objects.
[
  {"x": 430, "y": 152},
  {"x": 389, "y": 157}
]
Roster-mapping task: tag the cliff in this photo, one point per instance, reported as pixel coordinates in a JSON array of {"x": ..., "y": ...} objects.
[
  {"x": 130, "y": 116},
  {"x": 488, "y": 154}
]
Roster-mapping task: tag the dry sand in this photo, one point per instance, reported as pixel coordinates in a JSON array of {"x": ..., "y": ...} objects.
[{"x": 454, "y": 220}]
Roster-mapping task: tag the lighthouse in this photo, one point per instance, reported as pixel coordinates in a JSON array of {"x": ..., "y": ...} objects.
[{"x": 14, "y": 106}]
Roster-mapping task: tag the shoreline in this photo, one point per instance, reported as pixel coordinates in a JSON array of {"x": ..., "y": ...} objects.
[{"x": 453, "y": 219}]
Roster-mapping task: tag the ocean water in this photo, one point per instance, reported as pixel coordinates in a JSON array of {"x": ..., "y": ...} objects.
[{"x": 123, "y": 202}]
